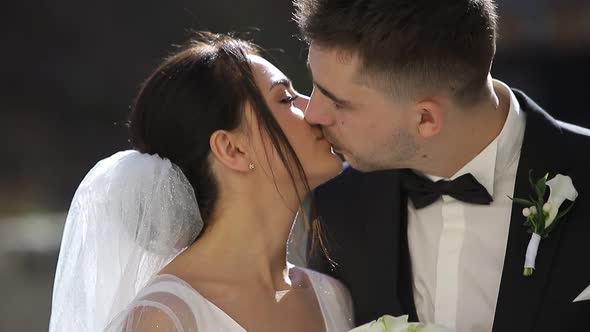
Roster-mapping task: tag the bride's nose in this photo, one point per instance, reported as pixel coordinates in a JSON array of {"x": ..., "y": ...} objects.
[{"x": 301, "y": 102}]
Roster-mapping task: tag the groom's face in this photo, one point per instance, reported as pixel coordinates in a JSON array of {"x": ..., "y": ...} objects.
[{"x": 363, "y": 123}]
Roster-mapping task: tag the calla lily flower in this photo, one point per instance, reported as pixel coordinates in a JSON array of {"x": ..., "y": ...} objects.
[{"x": 561, "y": 188}]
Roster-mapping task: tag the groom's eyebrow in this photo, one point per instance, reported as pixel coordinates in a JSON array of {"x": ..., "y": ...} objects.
[{"x": 326, "y": 92}]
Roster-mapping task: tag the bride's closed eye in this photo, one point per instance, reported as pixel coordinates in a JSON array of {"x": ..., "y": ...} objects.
[
  {"x": 290, "y": 96},
  {"x": 288, "y": 99}
]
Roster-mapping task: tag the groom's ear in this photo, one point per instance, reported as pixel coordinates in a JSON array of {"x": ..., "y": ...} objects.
[
  {"x": 227, "y": 148},
  {"x": 429, "y": 118}
]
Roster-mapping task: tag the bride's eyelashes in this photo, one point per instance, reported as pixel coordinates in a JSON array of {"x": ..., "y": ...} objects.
[{"x": 289, "y": 99}]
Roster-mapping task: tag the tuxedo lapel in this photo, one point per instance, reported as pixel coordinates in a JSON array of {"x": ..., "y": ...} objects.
[{"x": 520, "y": 297}]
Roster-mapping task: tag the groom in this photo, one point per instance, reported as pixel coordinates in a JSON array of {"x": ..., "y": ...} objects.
[{"x": 402, "y": 89}]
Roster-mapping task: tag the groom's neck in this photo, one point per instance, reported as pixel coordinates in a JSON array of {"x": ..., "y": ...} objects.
[{"x": 467, "y": 133}]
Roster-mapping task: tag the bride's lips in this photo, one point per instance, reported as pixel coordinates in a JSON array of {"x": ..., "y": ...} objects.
[{"x": 321, "y": 139}]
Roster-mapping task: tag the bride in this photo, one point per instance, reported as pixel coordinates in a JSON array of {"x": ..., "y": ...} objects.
[{"x": 188, "y": 231}]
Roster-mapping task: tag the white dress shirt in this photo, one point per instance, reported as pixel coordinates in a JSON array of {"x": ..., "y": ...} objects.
[{"x": 457, "y": 249}]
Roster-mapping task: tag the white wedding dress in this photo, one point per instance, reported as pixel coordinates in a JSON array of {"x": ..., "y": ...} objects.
[{"x": 179, "y": 307}]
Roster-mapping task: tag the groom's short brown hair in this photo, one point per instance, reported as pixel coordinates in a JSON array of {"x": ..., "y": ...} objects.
[{"x": 409, "y": 46}]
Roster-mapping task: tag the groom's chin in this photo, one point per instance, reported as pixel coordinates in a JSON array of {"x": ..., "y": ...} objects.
[{"x": 355, "y": 163}]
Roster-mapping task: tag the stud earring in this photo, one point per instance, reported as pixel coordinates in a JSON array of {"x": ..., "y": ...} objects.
[{"x": 251, "y": 166}]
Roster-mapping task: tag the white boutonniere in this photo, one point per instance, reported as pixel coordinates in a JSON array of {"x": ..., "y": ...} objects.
[
  {"x": 543, "y": 215},
  {"x": 397, "y": 324}
]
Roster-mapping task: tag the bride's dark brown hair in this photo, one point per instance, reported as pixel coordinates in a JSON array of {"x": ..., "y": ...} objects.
[{"x": 200, "y": 89}]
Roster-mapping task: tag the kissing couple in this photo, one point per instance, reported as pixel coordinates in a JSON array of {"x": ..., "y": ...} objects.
[{"x": 188, "y": 231}]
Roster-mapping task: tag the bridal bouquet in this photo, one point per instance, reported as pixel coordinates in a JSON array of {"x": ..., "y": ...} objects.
[{"x": 397, "y": 324}]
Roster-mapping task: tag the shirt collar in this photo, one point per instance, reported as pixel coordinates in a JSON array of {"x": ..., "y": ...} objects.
[{"x": 512, "y": 135}]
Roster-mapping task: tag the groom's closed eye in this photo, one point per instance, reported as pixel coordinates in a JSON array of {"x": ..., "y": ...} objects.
[{"x": 339, "y": 103}]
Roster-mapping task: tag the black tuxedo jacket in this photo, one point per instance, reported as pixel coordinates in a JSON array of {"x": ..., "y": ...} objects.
[{"x": 364, "y": 224}]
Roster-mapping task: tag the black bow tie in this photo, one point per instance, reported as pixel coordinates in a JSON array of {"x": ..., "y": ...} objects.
[{"x": 423, "y": 192}]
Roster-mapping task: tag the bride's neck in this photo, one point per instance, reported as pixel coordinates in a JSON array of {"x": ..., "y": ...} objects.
[{"x": 247, "y": 239}]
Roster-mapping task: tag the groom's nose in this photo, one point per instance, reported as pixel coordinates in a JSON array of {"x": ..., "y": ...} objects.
[{"x": 317, "y": 111}]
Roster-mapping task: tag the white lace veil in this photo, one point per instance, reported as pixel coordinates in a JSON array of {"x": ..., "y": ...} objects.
[{"x": 131, "y": 215}]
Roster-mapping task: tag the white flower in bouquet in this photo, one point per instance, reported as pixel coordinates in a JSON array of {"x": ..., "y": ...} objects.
[{"x": 397, "y": 324}]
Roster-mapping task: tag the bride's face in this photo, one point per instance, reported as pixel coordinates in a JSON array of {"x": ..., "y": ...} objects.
[{"x": 287, "y": 105}]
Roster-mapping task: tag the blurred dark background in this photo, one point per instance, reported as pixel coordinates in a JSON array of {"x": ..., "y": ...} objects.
[{"x": 70, "y": 71}]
